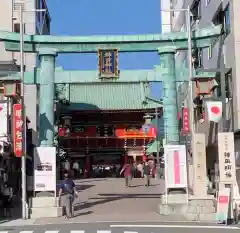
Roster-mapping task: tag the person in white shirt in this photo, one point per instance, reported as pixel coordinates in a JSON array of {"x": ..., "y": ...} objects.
[{"x": 75, "y": 169}]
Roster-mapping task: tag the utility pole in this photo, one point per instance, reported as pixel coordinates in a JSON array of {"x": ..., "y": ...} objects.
[
  {"x": 23, "y": 158},
  {"x": 157, "y": 137}
]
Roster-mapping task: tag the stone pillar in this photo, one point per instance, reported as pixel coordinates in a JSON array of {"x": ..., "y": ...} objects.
[
  {"x": 46, "y": 108},
  {"x": 170, "y": 109}
]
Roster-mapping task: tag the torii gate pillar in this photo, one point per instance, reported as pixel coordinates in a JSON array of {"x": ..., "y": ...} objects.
[{"x": 46, "y": 108}]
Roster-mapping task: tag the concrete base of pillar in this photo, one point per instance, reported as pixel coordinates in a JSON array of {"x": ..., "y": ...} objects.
[
  {"x": 45, "y": 207},
  {"x": 197, "y": 209}
]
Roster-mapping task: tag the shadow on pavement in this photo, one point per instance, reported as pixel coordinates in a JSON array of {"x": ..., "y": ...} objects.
[
  {"x": 110, "y": 197},
  {"x": 83, "y": 213},
  {"x": 83, "y": 187},
  {"x": 79, "y": 181}
]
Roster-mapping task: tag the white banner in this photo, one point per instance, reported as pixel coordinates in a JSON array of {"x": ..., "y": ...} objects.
[
  {"x": 3, "y": 120},
  {"x": 214, "y": 110},
  {"x": 226, "y": 156},
  {"x": 175, "y": 166},
  {"x": 45, "y": 169}
]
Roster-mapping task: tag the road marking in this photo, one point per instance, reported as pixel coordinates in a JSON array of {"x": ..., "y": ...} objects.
[
  {"x": 103, "y": 231},
  {"x": 51, "y": 231},
  {"x": 77, "y": 231},
  {"x": 130, "y": 231},
  {"x": 176, "y": 226},
  {"x": 26, "y": 232}
]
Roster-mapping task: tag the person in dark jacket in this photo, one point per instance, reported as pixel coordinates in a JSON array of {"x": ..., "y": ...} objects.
[
  {"x": 68, "y": 188},
  {"x": 147, "y": 174}
]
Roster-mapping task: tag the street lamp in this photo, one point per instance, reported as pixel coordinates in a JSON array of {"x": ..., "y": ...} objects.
[{"x": 23, "y": 158}]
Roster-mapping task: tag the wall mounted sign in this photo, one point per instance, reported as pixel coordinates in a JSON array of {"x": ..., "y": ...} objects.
[
  {"x": 185, "y": 121},
  {"x": 108, "y": 63},
  {"x": 214, "y": 110},
  {"x": 226, "y": 156},
  {"x": 17, "y": 129}
]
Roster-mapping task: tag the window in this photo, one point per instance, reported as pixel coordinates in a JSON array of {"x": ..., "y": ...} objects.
[
  {"x": 228, "y": 85},
  {"x": 42, "y": 18},
  {"x": 227, "y": 20},
  {"x": 210, "y": 48},
  {"x": 196, "y": 10},
  {"x": 197, "y": 58},
  {"x": 223, "y": 17},
  {"x": 16, "y": 27},
  {"x": 207, "y": 2}
]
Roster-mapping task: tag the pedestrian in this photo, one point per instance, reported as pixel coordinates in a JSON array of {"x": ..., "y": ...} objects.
[
  {"x": 128, "y": 171},
  {"x": 147, "y": 174},
  {"x": 75, "y": 169},
  {"x": 7, "y": 199},
  {"x": 68, "y": 188},
  {"x": 140, "y": 169}
]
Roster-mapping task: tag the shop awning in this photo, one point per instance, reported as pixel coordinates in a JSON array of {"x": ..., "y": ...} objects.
[{"x": 153, "y": 147}]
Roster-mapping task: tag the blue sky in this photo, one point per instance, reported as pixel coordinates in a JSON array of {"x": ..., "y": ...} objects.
[{"x": 99, "y": 17}]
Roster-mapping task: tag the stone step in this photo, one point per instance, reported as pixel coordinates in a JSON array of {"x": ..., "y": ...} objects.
[
  {"x": 42, "y": 212},
  {"x": 174, "y": 199},
  {"x": 201, "y": 206},
  {"x": 44, "y": 202}
]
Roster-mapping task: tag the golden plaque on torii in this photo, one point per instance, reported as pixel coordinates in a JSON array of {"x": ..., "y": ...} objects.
[{"x": 108, "y": 63}]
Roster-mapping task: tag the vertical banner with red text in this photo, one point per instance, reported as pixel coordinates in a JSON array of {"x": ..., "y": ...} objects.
[
  {"x": 185, "y": 121},
  {"x": 17, "y": 129}
]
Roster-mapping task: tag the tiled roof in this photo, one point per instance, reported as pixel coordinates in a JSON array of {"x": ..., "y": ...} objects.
[{"x": 111, "y": 96}]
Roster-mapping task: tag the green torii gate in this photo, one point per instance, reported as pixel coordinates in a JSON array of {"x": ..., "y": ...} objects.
[{"x": 47, "y": 76}]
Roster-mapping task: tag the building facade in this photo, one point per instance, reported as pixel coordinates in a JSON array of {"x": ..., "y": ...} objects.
[
  {"x": 34, "y": 23},
  {"x": 205, "y": 13}
]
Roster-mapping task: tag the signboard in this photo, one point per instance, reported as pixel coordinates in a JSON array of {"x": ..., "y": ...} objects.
[
  {"x": 17, "y": 129},
  {"x": 200, "y": 171},
  {"x": 108, "y": 63},
  {"x": 226, "y": 156},
  {"x": 136, "y": 133},
  {"x": 45, "y": 169},
  {"x": 3, "y": 120},
  {"x": 175, "y": 166},
  {"x": 223, "y": 202},
  {"x": 185, "y": 121}
]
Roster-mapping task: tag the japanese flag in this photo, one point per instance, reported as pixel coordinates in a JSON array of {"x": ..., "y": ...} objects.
[{"x": 214, "y": 110}]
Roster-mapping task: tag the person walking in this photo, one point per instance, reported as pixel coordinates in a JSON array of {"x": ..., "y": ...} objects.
[
  {"x": 68, "y": 187},
  {"x": 128, "y": 171},
  {"x": 147, "y": 174},
  {"x": 7, "y": 199}
]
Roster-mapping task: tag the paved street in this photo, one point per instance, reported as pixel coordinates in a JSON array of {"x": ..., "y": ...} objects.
[
  {"x": 109, "y": 200},
  {"x": 106, "y": 206},
  {"x": 116, "y": 227}
]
